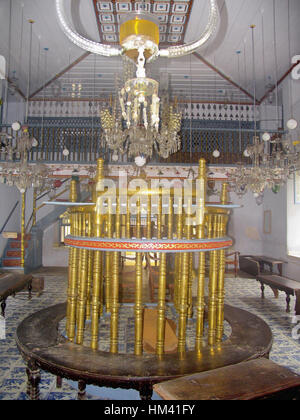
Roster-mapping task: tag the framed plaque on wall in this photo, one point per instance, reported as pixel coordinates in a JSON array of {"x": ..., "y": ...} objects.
[{"x": 267, "y": 221}]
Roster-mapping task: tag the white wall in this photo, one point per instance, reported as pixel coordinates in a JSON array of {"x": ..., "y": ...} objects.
[
  {"x": 8, "y": 197},
  {"x": 15, "y": 110},
  {"x": 245, "y": 225},
  {"x": 275, "y": 244},
  {"x": 54, "y": 256}
]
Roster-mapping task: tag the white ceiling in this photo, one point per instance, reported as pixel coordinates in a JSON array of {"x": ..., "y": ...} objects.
[{"x": 189, "y": 77}]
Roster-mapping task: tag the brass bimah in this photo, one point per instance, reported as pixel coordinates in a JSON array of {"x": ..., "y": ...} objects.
[{"x": 190, "y": 236}]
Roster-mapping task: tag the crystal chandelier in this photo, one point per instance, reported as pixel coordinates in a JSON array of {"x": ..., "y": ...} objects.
[
  {"x": 273, "y": 162},
  {"x": 142, "y": 127},
  {"x": 15, "y": 170},
  {"x": 137, "y": 138},
  {"x": 274, "y": 159}
]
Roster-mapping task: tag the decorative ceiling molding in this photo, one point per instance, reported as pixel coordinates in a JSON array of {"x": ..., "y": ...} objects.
[{"x": 173, "y": 17}]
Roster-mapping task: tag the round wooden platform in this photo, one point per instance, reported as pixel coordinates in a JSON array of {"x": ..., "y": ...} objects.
[{"x": 42, "y": 347}]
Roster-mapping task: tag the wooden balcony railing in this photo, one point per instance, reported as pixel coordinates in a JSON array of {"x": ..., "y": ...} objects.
[{"x": 86, "y": 145}]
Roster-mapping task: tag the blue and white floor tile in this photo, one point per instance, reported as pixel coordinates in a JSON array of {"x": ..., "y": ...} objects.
[{"x": 240, "y": 292}]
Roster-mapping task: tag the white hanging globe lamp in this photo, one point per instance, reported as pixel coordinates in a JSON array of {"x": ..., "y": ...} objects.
[{"x": 292, "y": 124}]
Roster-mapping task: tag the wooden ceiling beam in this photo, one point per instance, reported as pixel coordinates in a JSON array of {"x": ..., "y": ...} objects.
[
  {"x": 224, "y": 76},
  {"x": 278, "y": 82},
  {"x": 16, "y": 87},
  {"x": 58, "y": 75}
]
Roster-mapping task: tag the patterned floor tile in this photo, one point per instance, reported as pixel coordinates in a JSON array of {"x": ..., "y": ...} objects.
[{"x": 240, "y": 292}]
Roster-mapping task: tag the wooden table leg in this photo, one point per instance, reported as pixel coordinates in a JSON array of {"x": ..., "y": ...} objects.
[
  {"x": 3, "y": 306},
  {"x": 288, "y": 301},
  {"x": 297, "y": 306},
  {"x": 275, "y": 291},
  {"x": 58, "y": 382},
  {"x": 262, "y": 287},
  {"x": 146, "y": 392},
  {"x": 81, "y": 390},
  {"x": 29, "y": 290},
  {"x": 33, "y": 377}
]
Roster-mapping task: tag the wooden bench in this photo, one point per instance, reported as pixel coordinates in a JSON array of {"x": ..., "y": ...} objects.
[
  {"x": 259, "y": 379},
  {"x": 248, "y": 265},
  {"x": 274, "y": 281},
  {"x": 269, "y": 261},
  {"x": 10, "y": 284},
  {"x": 284, "y": 284}
]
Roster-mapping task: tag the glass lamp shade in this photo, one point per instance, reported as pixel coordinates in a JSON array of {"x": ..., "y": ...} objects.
[
  {"x": 140, "y": 161},
  {"x": 292, "y": 124},
  {"x": 66, "y": 152},
  {"x": 139, "y": 30},
  {"x": 16, "y": 126},
  {"x": 115, "y": 157},
  {"x": 266, "y": 137}
]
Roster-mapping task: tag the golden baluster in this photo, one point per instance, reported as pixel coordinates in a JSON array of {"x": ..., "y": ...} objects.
[
  {"x": 190, "y": 274},
  {"x": 80, "y": 255},
  {"x": 89, "y": 269},
  {"x": 170, "y": 217},
  {"x": 159, "y": 214},
  {"x": 82, "y": 295},
  {"x": 96, "y": 300},
  {"x": 149, "y": 209},
  {"x": 128, "y": 213},
  {"x": 114, "y": 291},
  {"x": 221, "y": 277},
  {"x": 23, "y": 233},
  {"x": 72, "y": 274},
  {"x": 138, "y": 346},
  {"x": 161, "y": 305},
  {"x": 183, "y": 303},
  {"x": 178, "y": 256},
  {"x": 213, "y": 283},
  {"x": 108, "y": 266},
  {"x": 200, "y": 305}
]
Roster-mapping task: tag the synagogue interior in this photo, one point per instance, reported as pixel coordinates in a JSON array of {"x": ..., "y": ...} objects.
[{"x": 149, "y": 200}]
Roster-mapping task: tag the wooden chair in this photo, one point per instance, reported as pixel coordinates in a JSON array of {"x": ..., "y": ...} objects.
[
  {"x": 232, "y": 258},
  {"x": 154, "y": 276}
]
